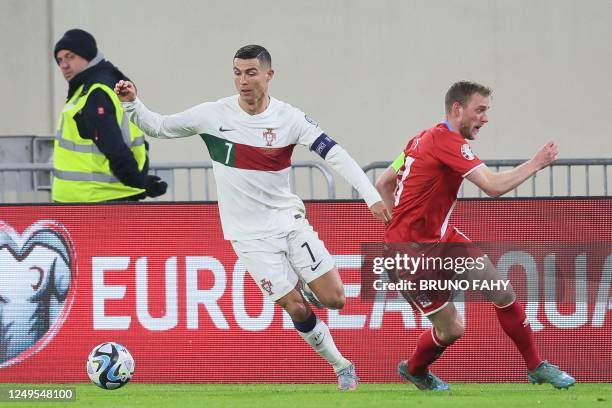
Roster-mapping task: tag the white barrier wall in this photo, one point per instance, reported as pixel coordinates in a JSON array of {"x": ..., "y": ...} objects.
[{"x": 371, "y": 73}]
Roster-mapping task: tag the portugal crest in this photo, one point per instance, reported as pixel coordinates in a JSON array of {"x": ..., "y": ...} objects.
[
  {"x": 267, "y": 286},
  {"x": 269, "y": 136}
]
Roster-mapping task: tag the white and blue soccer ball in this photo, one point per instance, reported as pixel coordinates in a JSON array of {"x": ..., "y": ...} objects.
[{"x": 110, "y": 365}]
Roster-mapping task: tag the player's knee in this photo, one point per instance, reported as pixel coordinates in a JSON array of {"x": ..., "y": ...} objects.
[
  {"x": 298, "y": 311},
  {"x": 295, "y": 306},
  {"x": 336, "y": 301},
  {"x": 451, "y": 334},
  {"x": 504, "y": 298},
  {"x": 456, "y": 333}
]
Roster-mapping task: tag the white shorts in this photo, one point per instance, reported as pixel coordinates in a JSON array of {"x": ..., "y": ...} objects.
[{"x": 276, "y": 263}]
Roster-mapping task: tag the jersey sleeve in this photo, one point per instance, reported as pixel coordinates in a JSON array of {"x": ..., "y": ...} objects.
[
  {"x": 456, "y": 153},
  {"x": 193, "y": 121},
  {"x": 308, "y": 131}
]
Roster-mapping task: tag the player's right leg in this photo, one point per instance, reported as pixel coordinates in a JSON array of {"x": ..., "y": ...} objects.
[
  {"x": 447, "y": 328},
  {"x": 316, "y": 333}
]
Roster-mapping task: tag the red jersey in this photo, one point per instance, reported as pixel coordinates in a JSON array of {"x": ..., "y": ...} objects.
[{"x": 435, "y": 163}]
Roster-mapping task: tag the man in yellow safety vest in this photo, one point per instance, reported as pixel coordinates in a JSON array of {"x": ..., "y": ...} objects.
[{"x": 99, "y": 155}]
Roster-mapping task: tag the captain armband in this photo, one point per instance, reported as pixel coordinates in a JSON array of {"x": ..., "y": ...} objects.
[{"x": 322, "y": 145}]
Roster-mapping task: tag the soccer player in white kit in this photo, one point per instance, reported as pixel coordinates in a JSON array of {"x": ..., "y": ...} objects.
[{"x": 250, "y": 138}]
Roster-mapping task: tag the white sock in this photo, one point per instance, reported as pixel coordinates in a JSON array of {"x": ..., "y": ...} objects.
[{"x": 320, "y": 339}]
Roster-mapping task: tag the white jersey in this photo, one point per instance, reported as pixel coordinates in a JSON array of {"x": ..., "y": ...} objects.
[{"x": 251, "y": 157}]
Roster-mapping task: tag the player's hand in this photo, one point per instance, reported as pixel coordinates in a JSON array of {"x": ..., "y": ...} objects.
[
  {"x": 546, "y": 155},
  {"x": 380, "y": 211},
  {"x": 126, "y": 91}
]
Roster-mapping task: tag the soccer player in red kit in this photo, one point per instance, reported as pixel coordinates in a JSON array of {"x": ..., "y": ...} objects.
[{"x": 421, "y": 188}]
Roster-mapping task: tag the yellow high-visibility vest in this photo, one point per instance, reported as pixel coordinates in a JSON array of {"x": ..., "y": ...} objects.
[{"x": 81, "y": 172}]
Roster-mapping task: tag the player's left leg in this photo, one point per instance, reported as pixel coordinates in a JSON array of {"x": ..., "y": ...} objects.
[
  {"x": 329, "y": 289},
  {"x": 512, "y": 318},
  {"x": 316, "y": 267},
  {"x": 510, "y": 314},
  {"x": 316, "y": 333}
]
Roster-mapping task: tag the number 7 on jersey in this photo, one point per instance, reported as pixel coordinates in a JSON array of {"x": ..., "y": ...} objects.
[{"x": 229, "y": 151}]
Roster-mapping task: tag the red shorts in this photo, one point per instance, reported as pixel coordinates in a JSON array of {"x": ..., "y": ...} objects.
[{"x": 431, "y": 300}]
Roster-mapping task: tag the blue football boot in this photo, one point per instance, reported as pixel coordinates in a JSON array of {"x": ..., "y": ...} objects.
[
  {"x": 551, "y": 374},
  {"x": 427, "y": 382}
]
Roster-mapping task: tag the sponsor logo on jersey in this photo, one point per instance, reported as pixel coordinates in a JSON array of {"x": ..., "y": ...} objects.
[
  {"x": 269, "y": 136},
  {"x": 467, "y": 152}
]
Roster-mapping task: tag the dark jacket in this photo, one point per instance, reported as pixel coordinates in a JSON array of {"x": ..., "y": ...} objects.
[{"x": 97, "y": 122}]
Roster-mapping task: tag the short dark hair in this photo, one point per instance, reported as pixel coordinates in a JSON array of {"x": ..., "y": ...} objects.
[
  {"x": 255, "y": 51},
  {"x": 462, "y": 91}
]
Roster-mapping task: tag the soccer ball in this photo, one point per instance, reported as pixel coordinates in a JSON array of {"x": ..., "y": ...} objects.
[{"x": 110, "y": 366}]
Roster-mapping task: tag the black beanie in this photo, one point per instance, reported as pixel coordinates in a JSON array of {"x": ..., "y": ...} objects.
[{"x": 78, "y": 41}]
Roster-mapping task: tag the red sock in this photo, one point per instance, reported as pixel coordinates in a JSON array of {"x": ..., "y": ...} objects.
[
  {"x": 428, "y": 349},
  {"x": 514, "y": 322}
]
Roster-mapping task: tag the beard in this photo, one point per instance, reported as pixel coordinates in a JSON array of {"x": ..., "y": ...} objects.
[{"x": 464, "y": 130}]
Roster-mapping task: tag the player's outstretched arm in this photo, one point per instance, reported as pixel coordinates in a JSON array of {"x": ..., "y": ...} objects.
[
  {"x": 347, "y": 167},
  {"x": 385, "y": 184},
  {"x": 153, "y": 124},
  {"x": 497, "y": 184}
]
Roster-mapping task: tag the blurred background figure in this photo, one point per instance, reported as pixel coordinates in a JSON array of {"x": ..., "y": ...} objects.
[{"x": 99, "y": 155}]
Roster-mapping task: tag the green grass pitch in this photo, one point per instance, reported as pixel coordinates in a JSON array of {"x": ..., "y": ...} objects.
[{"x": 317, "y": 396}]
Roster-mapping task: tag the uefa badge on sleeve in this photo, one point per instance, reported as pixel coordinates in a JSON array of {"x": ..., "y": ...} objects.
[{"x": 467, "y": 152}]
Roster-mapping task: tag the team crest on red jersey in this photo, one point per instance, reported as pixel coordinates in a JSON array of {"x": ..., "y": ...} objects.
[
  {"x": 423, "y": 300},
  {"x": 467, "y": 152},
  {"x": 269, "y": 136}
]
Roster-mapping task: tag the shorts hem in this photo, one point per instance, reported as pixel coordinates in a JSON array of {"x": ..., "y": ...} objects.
[
  {"x": 429, "y": 312},
  {"x": 277, "y": 295},
  {"x": 323, "y": 269}
]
